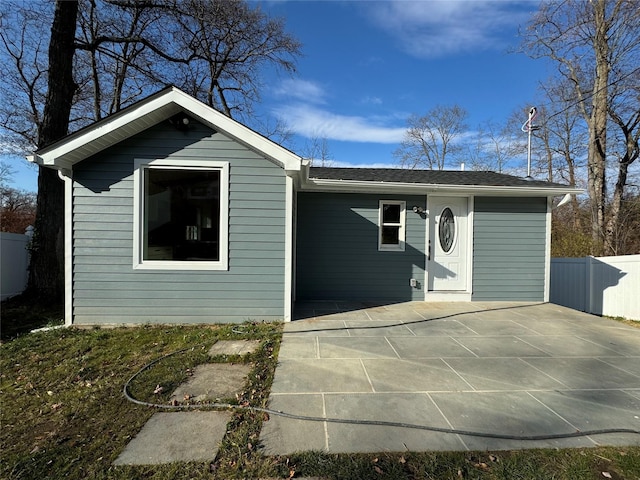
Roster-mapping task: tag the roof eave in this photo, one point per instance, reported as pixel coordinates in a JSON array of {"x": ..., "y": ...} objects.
[
  {"x": 116, "y": 128},
  {"x": 357, "y": 186}
]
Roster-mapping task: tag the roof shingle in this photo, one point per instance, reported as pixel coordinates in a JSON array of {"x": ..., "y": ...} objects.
[{"x": 428, "y": 177}]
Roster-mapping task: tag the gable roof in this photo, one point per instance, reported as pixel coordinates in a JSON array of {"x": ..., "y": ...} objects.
[
  {"x": 156, "y": 108},
  {"x": 452, "y": 181}
]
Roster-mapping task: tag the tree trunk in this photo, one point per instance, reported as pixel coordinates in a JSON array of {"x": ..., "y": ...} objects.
[
  {"x": 46, "y": 273},
  {"x": 596, "y": 163}
]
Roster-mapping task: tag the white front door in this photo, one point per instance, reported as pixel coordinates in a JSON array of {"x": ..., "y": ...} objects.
[{"x": 448, "y": 244}]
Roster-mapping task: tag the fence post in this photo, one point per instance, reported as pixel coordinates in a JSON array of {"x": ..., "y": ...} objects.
[{"x": 589, "y": 284}]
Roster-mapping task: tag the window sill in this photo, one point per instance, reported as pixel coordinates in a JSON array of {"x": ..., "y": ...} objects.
[{"x": 181, "y": 266}]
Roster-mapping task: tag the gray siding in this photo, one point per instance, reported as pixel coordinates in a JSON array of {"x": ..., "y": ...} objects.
[
  {"x": 337, "y": 250},
  {"x": 509, "y": 248},
  {"x": 106, "y": 287}
]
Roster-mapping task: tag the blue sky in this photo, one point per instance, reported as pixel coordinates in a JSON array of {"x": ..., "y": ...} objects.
[{"x": 368, "y": 65}]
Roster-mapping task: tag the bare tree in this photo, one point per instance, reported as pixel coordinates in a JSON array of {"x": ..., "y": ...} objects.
[
  {"x": 430, "y": 140},
  {"x": 120, "y": 51},
  {"x": 595, "y": 45},
  {"x": 317, "y": 150},
  {"x": 563, "y": 138},
  {"x": 46, "y": 272},
  {"x": 17, "y": 209},
  {"x": 495, "y": 147}
]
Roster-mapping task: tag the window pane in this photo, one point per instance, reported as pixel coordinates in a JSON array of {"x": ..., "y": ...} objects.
[
  {"x": 390, "y": 235},
  {"x": 182, "y": 214},
  {"x": 391, "y": 213},
  {"x": 446, "y": 229}
]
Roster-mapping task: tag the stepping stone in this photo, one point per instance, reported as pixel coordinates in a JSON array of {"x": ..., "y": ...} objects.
[
  {"x": 176, "y": 437},
  {"x": 211, "y": 381},
  {"x": 234, "y": 347}
]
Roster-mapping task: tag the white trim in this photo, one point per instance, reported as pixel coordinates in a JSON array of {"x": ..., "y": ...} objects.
[
  {"x": 439, "y": 189},
  {"x": 431, "y": 296},
  {"x": 465, "y": 293},
  {"x": 288, "y": 249},
  {"x": 138, "y": 215},
  {"x": 68, "y": 250},
  {"x": 148, "y": 112},
  {"x": 400, "y": 247},
  {"x": 470, "y": 230},
  {"x": 547, "y": 250}
]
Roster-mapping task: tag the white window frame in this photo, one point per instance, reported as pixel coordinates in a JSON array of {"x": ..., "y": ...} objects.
[
  {"x": 401, "y": 231},
  {"x": 140, "y": 165}
]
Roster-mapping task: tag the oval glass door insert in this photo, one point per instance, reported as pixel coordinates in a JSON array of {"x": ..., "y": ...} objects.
[{"x": 446, "y": 230}]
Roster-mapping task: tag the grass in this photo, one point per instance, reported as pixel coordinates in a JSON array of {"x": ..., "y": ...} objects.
[
  {"x": 63, "y": 415},
  {"x": 23, "y": 313}
]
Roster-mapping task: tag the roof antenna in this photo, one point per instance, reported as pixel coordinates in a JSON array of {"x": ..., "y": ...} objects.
[{"x": 529, "y": 127}]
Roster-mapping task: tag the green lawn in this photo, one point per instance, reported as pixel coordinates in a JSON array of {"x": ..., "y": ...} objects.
[{"x": 63, "y": 414}]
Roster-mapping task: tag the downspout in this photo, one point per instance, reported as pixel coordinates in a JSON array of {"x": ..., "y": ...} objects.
[
  {"x": 547, "y": 251},
  {"x": 67, "y": 177},
  {"x": 289, "y": 246}
]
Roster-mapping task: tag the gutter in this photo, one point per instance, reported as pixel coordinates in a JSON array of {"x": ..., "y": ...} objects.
[{"x": 356, "y": 186}]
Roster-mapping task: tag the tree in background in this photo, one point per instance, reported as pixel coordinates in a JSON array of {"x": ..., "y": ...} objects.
[
  {"x": 596, "y": 47},
  {"x": 317, "y": 151},
  {"x": 17, "y": 207},
  {"x": 105, "y": 54},
  {"x": 431, "y": 140},
  {"x": 494, "y": 146}
]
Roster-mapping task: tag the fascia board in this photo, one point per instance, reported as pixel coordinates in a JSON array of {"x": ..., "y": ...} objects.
[
  {"x": 56, "y": 155},
  {"x": 253, "y": 140},
  {"x": 422, "y": 188},
  {"x": 65, "y": 154}
]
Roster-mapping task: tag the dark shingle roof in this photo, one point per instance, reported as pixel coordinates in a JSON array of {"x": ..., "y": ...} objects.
[{"x": 429, "y": 177}]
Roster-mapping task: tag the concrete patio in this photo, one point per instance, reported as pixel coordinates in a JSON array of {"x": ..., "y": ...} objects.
[{"x": 513, "y": 369}]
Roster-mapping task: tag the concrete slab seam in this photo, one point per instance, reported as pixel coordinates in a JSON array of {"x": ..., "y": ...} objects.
[
  {"x": 367, "y": 375},
  {"x": 599, "y": 345},
  {"x": 465, "y": 347},
  {"x": 617, "y": 367},
  {"x": 325, "y": 424},
  {"x": 435, "y": 404},
  {"x": 419, "y": 314},
  {"x": 556, "y": 414},
  {"x": 392, "y": 348},
  {"x": 533, "y": 346},
  {"x": 460, "y": 376},
  {"x": 545, "y": 373}
]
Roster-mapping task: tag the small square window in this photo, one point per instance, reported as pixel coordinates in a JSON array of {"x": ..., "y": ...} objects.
[{"x": 391, "y": 235}]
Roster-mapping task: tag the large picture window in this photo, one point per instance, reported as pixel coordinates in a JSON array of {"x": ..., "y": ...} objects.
[
  {"x": 182, "y": 219},
  {"x": 391, "y": 225}
]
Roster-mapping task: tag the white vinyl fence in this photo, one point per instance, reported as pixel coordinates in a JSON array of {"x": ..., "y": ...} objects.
[
  {"x": 600, "y": 285},
  {"x": 14, "y": 263}
]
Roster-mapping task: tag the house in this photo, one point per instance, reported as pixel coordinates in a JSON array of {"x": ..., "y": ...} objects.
[{"x": 176, "y": 213}]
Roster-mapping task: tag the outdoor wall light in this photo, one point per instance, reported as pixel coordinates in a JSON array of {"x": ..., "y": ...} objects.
[
  {"x": 418, "y": 210},
  {"x": 180, "y": 121}
]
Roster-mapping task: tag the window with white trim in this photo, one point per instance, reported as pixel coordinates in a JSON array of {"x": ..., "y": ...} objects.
[
  {"x": 181, "y": 215},
  {"x": 391, "y": 225}
]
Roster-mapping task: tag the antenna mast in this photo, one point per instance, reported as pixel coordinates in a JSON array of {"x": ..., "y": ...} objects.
[{"x": 529, "y": 127}]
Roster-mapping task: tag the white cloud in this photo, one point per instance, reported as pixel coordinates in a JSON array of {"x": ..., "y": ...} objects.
[
  {"x": 311, "y": 122},
  {"x": 370, "y": 100},
  {"x": 438, "y": 28},
  {"x": 341, "y": 164},
  {"x": 300, "y": 89}
]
